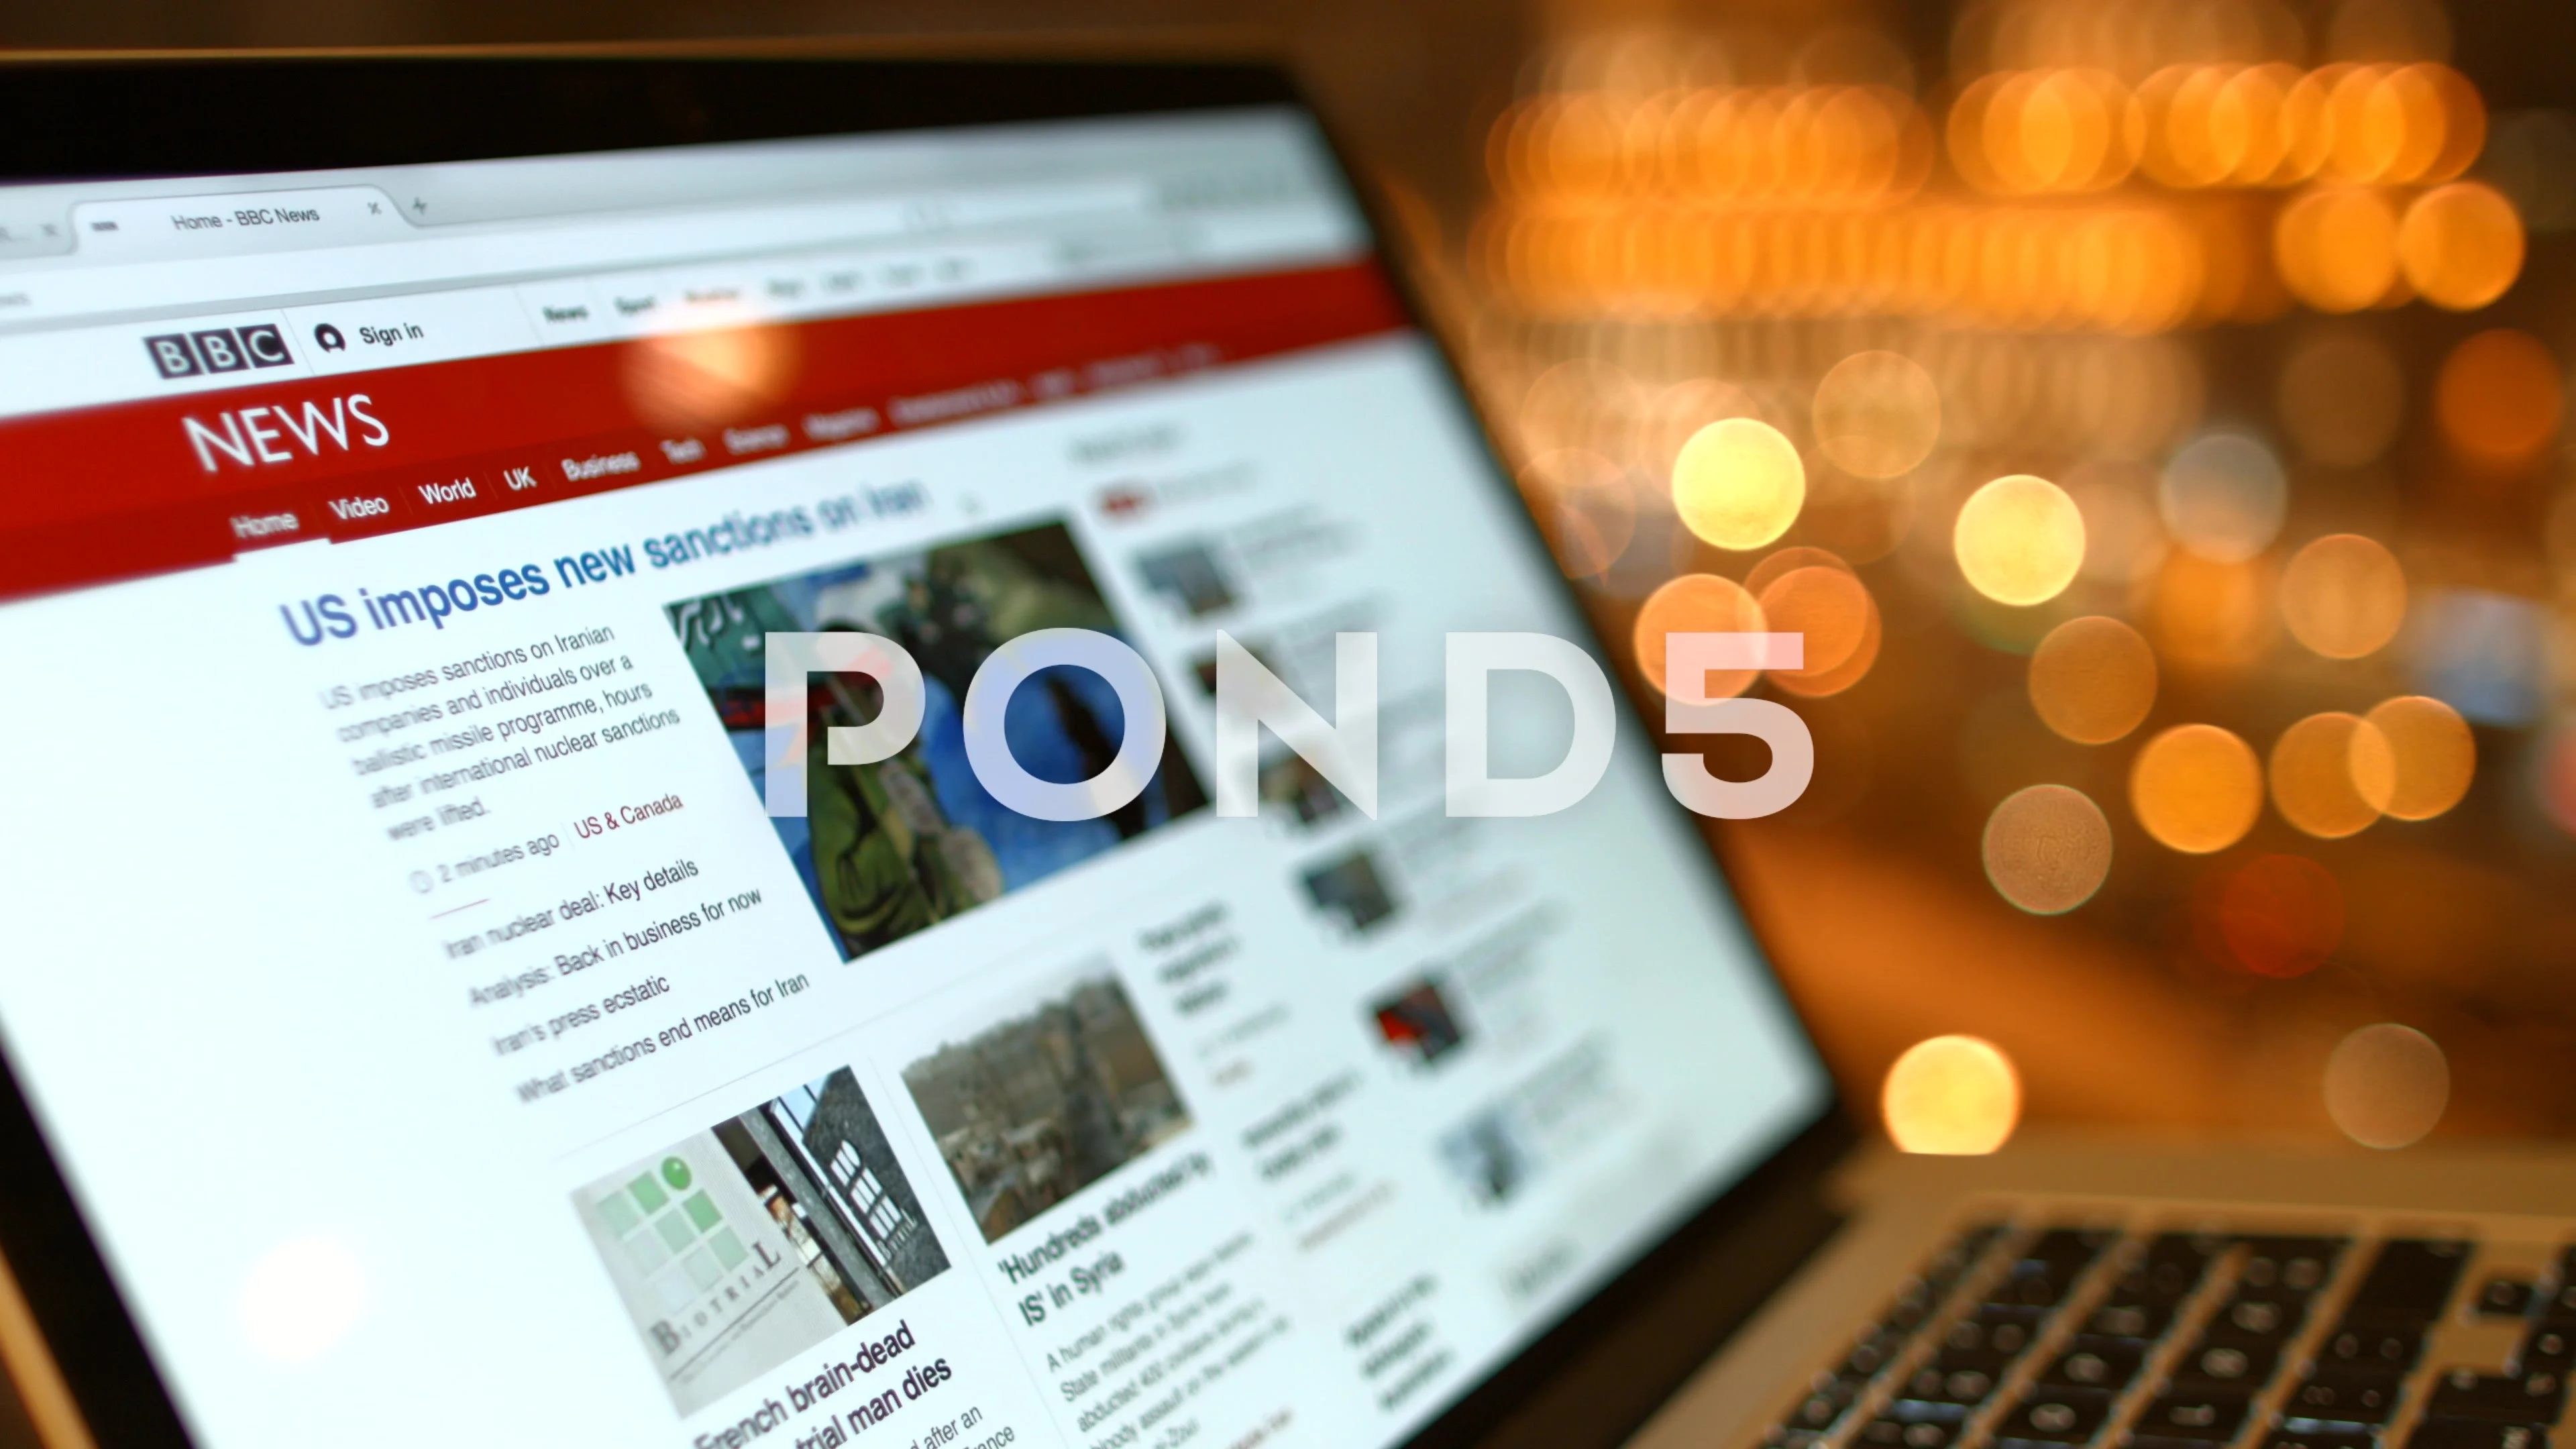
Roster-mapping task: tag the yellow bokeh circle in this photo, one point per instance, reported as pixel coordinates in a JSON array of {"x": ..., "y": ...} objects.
[
  {"x": 2019, "y": 540},
  {"x": 1738, "y": 483},
  {"x": 1952, "y": 1095}
]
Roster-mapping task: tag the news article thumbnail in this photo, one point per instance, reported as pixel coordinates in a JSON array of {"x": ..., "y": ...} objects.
[
  {"x": 1417, "y": 1022},
  {"x": 1037, "y": 1106},
  {"x": 1352, "y": 892},
  {"x": 1189, "y": 576},
  {"x": 743, "y": 1245},
  {"x": 896, "y": 847}
]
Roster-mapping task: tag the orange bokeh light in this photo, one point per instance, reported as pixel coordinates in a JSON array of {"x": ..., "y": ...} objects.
[
  {"x": 1696, "y": 604},
  {"x": 2280, "y": 915},
  {"x": 2387, "y": 1085},
  {"x": 1784, "y": 560},
  {"x": 2337, "y": 248},
  {"x": 2312, "y": 776},
  {"x": 681, "y": 381},
  {"x": 2417, "y": 758},
  {"x": 2499, "y": 398},
  {"x": 1833, "y": 609},
  {"x": 2210, "y": 615},
  {"x": 1877, "y": 414},
  {"x": 2558, "y": 779},
  {"x": 2092, "y": 679},
  {"x": 2461, "y": 245},
  {"x": 2343, "y": 595},
  {"x": 2196, "y": 788}
]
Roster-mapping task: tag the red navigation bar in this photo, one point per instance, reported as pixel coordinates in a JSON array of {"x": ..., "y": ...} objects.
[{"x": 136, "y": 488}]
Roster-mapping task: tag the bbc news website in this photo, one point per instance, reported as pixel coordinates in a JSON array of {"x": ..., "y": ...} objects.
[{"x": 445, "y": 1042}]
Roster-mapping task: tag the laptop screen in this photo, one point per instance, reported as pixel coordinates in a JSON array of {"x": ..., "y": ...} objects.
[{"x": 461, "y": 1006}]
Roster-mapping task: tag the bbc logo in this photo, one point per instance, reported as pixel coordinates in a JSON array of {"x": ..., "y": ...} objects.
[{"x": 222, "y": 349}]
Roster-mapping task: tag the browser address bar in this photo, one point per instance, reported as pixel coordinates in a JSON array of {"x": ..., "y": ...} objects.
[{"x": 63, "y": 289}]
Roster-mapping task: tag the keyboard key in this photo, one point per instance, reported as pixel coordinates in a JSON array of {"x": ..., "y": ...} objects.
[
  {"x": 2505, "y": 1298},
  {"x": 1881, "y": 1344},
  {"x": 2532, "y": 1398},
  {"x": 2246, "y": 1365},
  {"x": 1965, "y": 1387},
  {"x": 2553, "y": 1349},
  {"x": 2049, "y": 1266},
  {"x": 1875, "y": 1349},
  {"x": 2344, "y": 1396},
  {"x": 1781, "y": 1436},
  {"x": 2204, "y": 1417},
  {"x": 1950, "y": 1364},
  {"x": 2319, "y": 1439},
  {"x": 2258, "y": 1320},
  {"x": 2057, "y": 1416},
  {"x": 1959, "y": 1256},
  {"x": 2384, "y": 1349},
  {"x": 2561, "y": 1306},
  {"x": 1824, "y": 1404},
  {"x": 2142, "y": 1322},
  {"x": 2408, "y": 1283},
  {"x": 1901, "y": 1434},
  {"x": 2164, "y": 1275},
  {"x": 2097, "y": 1363},
  {"x": 2036, "y": 1290},
  {"x": 1913, "y": 1305},
  {"x": 2297, "y": 1266},
  {"x": 1924, "y": 1292},
  {"x": 2000, "y": 1331},
  {"x": 2067, "y": 1251},
  {"x": 2476, "y": 1434}
]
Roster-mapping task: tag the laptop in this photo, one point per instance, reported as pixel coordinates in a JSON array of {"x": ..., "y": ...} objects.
[{"x": 569, "y": 617}]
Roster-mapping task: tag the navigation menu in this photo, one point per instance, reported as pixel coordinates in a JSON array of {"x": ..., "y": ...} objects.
[{"x": 148, "y": 487}]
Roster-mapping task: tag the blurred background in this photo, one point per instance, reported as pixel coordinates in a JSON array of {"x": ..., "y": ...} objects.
[{"x": 2149, "y": 410}]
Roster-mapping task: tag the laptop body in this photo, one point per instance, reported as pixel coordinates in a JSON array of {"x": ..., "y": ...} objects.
[{"x": 495, "y": 1036}]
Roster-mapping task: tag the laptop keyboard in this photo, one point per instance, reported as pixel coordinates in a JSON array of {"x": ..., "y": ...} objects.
[{"x": 2075, "y": 1337}]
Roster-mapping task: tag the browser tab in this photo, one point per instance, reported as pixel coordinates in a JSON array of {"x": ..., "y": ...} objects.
[
  {"x": 182, "y": 226},
  {"x": 34, "y": 232}
]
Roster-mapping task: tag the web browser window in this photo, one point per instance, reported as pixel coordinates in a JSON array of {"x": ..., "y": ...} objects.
[{"x": 446, "y": 1038}]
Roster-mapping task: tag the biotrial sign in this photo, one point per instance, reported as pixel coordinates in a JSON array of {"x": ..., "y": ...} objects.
[{"x": 1250, "y": 698}]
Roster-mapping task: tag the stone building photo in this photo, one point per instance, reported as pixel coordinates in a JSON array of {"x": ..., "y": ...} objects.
[{"x": 1037, "y": 1106}]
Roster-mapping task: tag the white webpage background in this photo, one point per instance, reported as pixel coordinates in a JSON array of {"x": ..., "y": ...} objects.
[{"x": 237, "y": 1026}]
